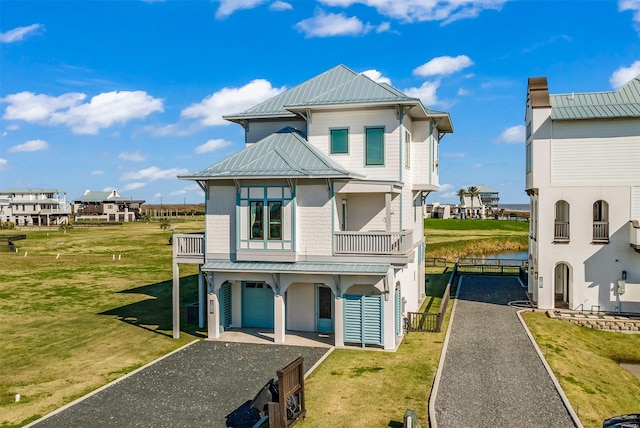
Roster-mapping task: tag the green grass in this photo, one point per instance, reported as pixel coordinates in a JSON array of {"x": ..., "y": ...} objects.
[
  {"x": 73, "y": 323},
  {"x": 586, "y": 362}
]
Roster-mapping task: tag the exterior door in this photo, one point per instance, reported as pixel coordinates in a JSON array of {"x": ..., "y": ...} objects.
[
  {"x": 324, "y": 320},
  {"x": 257, "y": 305}
]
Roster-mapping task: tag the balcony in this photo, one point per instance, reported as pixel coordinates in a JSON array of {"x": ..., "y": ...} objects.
[
  {"x": 373, "y": 243},
  {"x": 561, "y": 231},
  {"x": 601, "y": 231},
  {"x": 188, "y": 247}
]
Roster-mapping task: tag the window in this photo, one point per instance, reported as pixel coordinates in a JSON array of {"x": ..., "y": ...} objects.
[
  {"x": 339, "y": 141},
  {"x": 256, "y": 227},
  {"x": 275, "y": 220},
  {"x": 528, "y": 130},
  {"x": 374, "y": 146},
  {"x": 529, "y": 164},
  {"x": 407, "y": 149},
  {"x": 561, "y": 231},
  {"x": 600, "y": 221}
]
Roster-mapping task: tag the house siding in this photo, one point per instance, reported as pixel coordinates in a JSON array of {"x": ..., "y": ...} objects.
[
  {"x": 314, "y": 229},
  {"x": 221, "y": 214}
]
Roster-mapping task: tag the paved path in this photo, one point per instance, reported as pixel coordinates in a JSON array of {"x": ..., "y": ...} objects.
[
  {"x": 200, "y": 385},
  {"x": 492, "y": 375}
]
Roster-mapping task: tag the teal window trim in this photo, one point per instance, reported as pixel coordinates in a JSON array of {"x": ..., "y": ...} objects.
[
  {"x": 339, "y": 141},
  {"x": 374, "y": 146},
  {"x": 268, "y": 235}
]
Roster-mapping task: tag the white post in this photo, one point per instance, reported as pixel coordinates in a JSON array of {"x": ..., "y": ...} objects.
[
  {"x": 279, "y": 318},
  {"x": 213, "y": 319},
  {"x": 176, "y": 300},
  {"x": 338, "y": 326},
  {"x": 389, "y": 328}
]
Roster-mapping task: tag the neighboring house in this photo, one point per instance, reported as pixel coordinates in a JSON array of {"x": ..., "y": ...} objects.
[
  {"x": 472, "y": 207},
  {"x": 489, "y": 197},
  {"x": 583, "y": 180},
  {"x": 106, "y": 206},
  {"x": 34, "y": 207},
  {"x": 317, "y": 225}
]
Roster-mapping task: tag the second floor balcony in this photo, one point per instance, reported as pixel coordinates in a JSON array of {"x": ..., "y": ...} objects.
[
  {"x": 561, "y": 231},
  {"x": 373, "y": 243}
]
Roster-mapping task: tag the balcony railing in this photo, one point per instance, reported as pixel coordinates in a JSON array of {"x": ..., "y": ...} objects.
[
  {"x": 378, "y": 243},
  {"x": 601, "y": 231},
  {"x": 561, "y": 232},
  {"x": 188, "y": 245}
]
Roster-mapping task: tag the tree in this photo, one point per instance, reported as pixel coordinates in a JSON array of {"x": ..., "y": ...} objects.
[
  {"x": 461, "y": 194},
  {"x": 473, "y": 192}
]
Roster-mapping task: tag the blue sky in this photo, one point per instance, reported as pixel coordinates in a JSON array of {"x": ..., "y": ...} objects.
[{"x": 128, "y": 94}]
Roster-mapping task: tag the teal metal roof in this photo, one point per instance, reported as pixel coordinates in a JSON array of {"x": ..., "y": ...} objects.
[
  {"x": 625, "y": 102},
  {"x": 298, "y": 267},
  {"x": 283, "y": 154},
  {"x": 337, "y": 86}
]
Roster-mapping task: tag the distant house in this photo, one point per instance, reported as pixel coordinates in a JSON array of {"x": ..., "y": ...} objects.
[
  {"x": 106, "y": 206},
  {"x": 489, "y": 197},
  {"x": 34, "y": 207},
  {"x": 317, "y": 224},
  {"x": 471, "y": 207},
  {"x": 583, "y": 180}
]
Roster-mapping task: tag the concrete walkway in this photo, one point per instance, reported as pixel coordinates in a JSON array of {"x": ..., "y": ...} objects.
[
  {"x": 492, "y": 375},
  {"x": 205, "y": 384}
]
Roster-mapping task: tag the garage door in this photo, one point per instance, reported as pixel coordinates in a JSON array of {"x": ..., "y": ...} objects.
[{"x": 257, "y": 305}]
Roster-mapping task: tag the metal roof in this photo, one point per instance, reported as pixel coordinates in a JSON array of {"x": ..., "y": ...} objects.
[
  {"x": 485, "y": 189},
  {"x": 33, "y": 190},
  {"x": 283, "y": 154},
  {"x": 625, "y": 102},
  {"x": 337, "y": 86},
  {"x": 90, "y": 196},
  {"x": 298, "y": 267}
]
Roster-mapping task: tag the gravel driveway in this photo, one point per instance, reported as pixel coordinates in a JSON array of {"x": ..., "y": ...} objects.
[
  {"x": 492, "y": 375},
  {"x": 205, "y": 384}
]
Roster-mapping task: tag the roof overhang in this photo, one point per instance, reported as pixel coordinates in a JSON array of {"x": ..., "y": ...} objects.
[
  {"x": 367, "y": 187},
  {"x": 308, "y": 268}
]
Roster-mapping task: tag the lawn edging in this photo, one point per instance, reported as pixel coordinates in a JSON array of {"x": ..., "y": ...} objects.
[
  {"x": 436, "y": 381},
  {"x": 113, "y": 382},
  {"x": 563, "y": 397}
]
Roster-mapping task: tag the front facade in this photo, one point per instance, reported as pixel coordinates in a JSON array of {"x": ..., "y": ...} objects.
[
  {"x": 34, "y": 207},
  {"x": 317, "y": 224},
  {"x": 583, "y": 179},
  {"x": 106, "y": 206}
]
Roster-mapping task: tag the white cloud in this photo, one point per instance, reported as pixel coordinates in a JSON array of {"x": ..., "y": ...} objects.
[
  {"x": 19, "y": 33},
  {"x": 133, "y": 157},
  {"x": 234, "y": 100},
  {"x": 177, "y": 192},
  {"x": 157, "y": 196},
  {"x": 102, "y": 111},
  {"x": 624, "y": 74},
  {"x": 513, "y": 135},
  {"x": 426, "y": 92},
  {"x": 12, "y": 127},
  {"x": 445, "y": 187},
  {"x": 632, "y": 5},
  {"x": 280, "y": 5},
  {"x": 3, "y": 163},
  {"x": 445, "y": 11},
  {"x": 97, "y": 172},
  {"x": 29, "y": 146},
  {"x": 212, "y": 146},
  {"x": 477, "y": 165},
  {"x": 376, "y": 76},
  {"x": 332, "y": 24},
  {"x": 228, "y": 7},
  {"x": 153, "y": 173},
  {"x": 443, "y": 65},
  {"x": 134, "y": 186},
  {"x": 383, "y": 28},
  {"x": 463, "y": 92}
]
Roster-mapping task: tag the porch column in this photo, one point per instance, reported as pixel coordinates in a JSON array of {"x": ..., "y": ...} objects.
[
  {"x": 387, "y": 205},
  {"x": 389, "y": 328},
  {"x": 338, "y": 328},
  {"x": 213, "y": 321},
  {"x": 279, "y": 313},
  {"x": 176, "y": 300},
  {"x": 202, "y": 298}
]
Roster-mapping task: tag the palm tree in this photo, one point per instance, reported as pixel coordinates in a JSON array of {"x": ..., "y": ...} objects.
[
  {"x": 461, "y": 194},
  {"x": 473, "y": 192}
]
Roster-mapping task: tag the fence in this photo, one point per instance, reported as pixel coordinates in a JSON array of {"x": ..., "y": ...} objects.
[
  {"x": 432, "y": 322},
  {"x": 435, "y": 262},
  {"x": 501, "y": 270}
]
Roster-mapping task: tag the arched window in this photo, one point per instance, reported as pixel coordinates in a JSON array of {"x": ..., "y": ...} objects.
[
  {"x": 561, "y": 231},
  {"x": 600, "y": 221}
]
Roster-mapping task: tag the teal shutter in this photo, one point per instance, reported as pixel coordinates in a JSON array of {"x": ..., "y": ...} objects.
[
  {"x": 352, "y": 319},
  {"x": 363, "y": 321},
  {"x": 225, "y": 305}
]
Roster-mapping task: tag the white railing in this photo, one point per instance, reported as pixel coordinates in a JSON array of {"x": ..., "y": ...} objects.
[
  {"x": 386, "y": 243},
  {"x": 188, "y": 245},
  {"x": 600, "y": 230},
  {"x": 561, "y": 230}
]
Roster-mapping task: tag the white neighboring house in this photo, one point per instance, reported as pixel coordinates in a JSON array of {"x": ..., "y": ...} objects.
[
  {"x": 106, "y": 206},
  {"x": 583, "y": 179},
  {"x": 472, "y": 207},
  {"x": 34, "y": 207},
  {"x": 317, "y": 225}
]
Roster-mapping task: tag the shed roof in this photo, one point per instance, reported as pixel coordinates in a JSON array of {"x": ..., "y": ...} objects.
[
  {"x": 624, "y": 102},
  {"x": 283, "y": 154},
  {"x": 298, "y": 267}
]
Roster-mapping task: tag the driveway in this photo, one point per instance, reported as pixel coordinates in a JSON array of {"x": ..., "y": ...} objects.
[
  {"x": 208, "y": 383},
  {"x": 492, "y": 375}
]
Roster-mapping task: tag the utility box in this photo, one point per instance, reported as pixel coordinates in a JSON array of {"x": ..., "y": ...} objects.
[{"x": 411, "y": 419}]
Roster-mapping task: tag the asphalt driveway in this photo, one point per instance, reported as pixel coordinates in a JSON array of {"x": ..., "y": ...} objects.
[
  {"x": 492, "y": 375},
  {"x": 205, "y": 384}
]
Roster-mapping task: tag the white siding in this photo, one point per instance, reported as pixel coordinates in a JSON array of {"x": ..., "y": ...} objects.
[
  {"x": 221, "y": 225},
  {"x": 314, "y": 220},
  {"x": 301, "y": 310},
  {"x": 635, "y": 203}
]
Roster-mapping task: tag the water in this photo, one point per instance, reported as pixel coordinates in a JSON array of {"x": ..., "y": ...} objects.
[
  {"x": 521, "y": 255},
  {"x": 514, "y": 207}
]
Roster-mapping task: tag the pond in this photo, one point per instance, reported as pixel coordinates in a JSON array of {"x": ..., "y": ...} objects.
[{"x": 521, "y": 255}]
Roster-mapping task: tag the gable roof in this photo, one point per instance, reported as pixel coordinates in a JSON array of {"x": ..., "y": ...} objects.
[
  {"x": 339, "y": 86},
  {"x": 283, "y": 154},
  {"x": 112, "y": 196},
  {"x": 625, "y": 102}
]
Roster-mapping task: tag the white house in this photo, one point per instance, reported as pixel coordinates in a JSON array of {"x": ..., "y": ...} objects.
[
  {"x": 583, "y": 179},
  {"x": 106, "y": 206},
  {"x": 34, "y": 207},
  {"x": 317, "y": 224}
]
